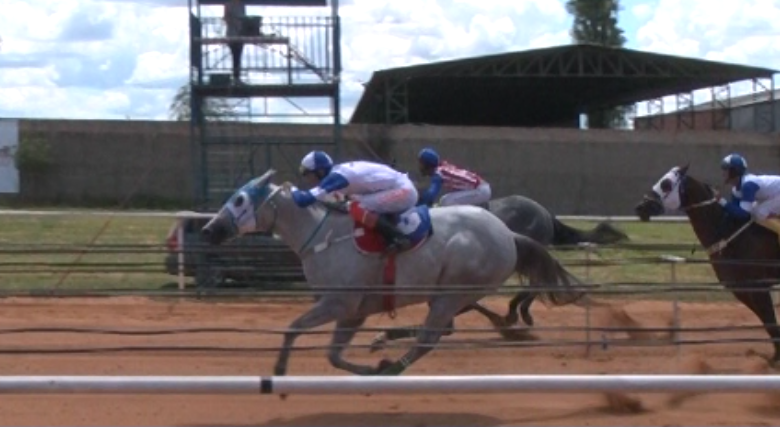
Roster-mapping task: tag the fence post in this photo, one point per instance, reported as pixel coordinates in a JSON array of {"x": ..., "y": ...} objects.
[
  {"x": 589, "y": 248},
  {"x": 180, "y": 255},
  {"x": 673, "y": 260}
]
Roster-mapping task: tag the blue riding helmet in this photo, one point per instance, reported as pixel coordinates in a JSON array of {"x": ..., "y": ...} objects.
[
  {"x": 316, "y": 160},
  {"x": 734, "y": 162},
  {"x": 429, "y": 157}
]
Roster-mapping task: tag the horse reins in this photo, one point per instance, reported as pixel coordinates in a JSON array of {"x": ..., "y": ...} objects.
[
  {"x": 722, "y": 243},
  {"x": 269, "y": 200}
]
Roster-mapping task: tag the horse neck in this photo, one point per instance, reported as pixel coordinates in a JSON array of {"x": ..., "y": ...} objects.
[
  {"x": 705, "y": 221},
  {"x": 295, "y": 225}
]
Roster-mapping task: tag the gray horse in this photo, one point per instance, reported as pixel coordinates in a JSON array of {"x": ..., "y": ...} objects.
[
  {"x": 527, "y": 217},
  {"x": 468, "y": 256}
]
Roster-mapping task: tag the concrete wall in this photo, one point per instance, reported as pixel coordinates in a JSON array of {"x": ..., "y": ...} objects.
[
  {"x": 106, "y": 162},
  {"x": 570, "y": 171},
  {"x": 762, "y": 117}
]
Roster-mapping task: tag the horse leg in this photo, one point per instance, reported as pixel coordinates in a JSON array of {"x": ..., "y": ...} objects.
[
  {"x": 523, "y": 301},
  {"x": 326, "y": 310},
  {"x": 403, "y": 332},
  {"x": 525, "y": 309},
  {"x": 440, "y": 314},
  {"x": 760, "y": 303},
  {"x": 343, "y": 334}
]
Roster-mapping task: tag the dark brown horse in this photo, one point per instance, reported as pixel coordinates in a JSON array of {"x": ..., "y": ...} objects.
[{"x": 727, "y": 241}]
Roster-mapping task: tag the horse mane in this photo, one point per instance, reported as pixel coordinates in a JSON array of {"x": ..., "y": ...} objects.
[
  {"x": 730, "y": 224},
  {"x": 707, "y": 186}
]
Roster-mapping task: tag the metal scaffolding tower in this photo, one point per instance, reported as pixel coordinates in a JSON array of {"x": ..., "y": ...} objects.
[{"x": 252, "y": 72}]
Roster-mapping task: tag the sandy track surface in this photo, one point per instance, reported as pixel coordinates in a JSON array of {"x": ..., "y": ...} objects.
[{"x": 428, "y": 410}]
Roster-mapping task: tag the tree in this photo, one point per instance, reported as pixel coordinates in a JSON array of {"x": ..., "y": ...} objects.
[
  {"x": 213, "y": 108},
  {"x": 596, "y": 22}
]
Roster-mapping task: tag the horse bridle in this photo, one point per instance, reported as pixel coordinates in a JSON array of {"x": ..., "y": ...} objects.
[
  {"x": 681, "y": 191},
  {"x": 269, "y": 200},
  {"x": 721, "y": 244},
  {"x": 714, "y": 199}
]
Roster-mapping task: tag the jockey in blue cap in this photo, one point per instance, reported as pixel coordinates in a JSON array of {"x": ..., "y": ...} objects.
[
  {"x": 464, "y": 187},
  {"x": 756, "y": 195},
  {"x": 376, "y": 192}
]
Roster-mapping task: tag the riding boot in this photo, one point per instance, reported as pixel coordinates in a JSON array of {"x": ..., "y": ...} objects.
[
  {"x": 772, "y": 223},
  {"x": 396, "y": 241}
]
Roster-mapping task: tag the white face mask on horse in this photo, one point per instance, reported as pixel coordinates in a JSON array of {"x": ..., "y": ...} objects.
[{"x": 668, "y": 189}]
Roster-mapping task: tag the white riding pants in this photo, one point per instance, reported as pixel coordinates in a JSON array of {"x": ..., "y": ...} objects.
[
  {"x": 477, "y": 196},
  {"x": 394, "y": 201},
  {"x": 762, "y": 210}
]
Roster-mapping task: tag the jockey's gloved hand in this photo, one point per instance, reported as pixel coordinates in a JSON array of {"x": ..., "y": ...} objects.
[{"x": 303, "y": 198}]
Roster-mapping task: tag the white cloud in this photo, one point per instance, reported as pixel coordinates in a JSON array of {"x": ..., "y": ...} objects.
[
  {"x": 743, "y": 32},
  {"x": 116, "y": 58},
  {"x": 642, "y": 10},
  {"x": 719, "y": 30}
]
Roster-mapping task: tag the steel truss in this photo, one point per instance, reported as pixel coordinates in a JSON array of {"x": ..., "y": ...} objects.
[
  {"x": 721, "y": 107},
  {"x": 764, "y": 98},
  {"x": 290, "y": 71},
  {"x": 686, "y": 114},
  {"x": 391, "y": 97}
]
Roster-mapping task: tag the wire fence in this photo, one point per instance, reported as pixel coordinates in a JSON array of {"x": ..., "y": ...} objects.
[
  {"x": 264, "y": 267},
  {"x": 271, "y": 268},
  {"x": 59, "y": 256},
  {"x": 69, "y": 250},
  {"x": 556, "y": 336}
]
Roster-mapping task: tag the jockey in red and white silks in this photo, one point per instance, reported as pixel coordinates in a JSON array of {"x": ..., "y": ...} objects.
[{"x": 463, "y": 187}]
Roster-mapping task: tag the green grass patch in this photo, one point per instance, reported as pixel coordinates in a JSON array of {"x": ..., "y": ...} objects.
[
  {"x": 125, "y": 270},
  {"x": 67, "y": 233},
  {"x": 659, "y": 233}
]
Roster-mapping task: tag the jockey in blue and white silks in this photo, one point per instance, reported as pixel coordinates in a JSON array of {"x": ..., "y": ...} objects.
[
  {"x": 756, "y": 195},
  {"x": 376, "y": 191}
]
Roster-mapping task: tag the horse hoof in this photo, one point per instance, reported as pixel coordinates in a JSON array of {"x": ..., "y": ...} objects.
[
  {"x": 528, "y": 319},
  {"x": 392, "y": 370},
  {"x": 383, "y": 365},
  {"x": 280, "y": 372}
]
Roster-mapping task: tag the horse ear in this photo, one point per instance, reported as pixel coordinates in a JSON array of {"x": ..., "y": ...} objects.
[
  {"x": 684, "y": 169},
  {"x": 266, "y": 177}
]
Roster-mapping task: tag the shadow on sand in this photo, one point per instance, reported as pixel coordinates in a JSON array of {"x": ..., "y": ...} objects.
[
  {"x": 389, "y": 419},
  {"x": 428, "y": 419}
]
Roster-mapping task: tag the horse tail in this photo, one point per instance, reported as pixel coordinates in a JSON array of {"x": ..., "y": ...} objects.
[
  {"x": 603, "y": 233},
  {"x": 545, "y": 272}
]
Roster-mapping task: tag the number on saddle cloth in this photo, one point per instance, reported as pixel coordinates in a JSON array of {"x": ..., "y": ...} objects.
[{"x": 415, "y": 223}]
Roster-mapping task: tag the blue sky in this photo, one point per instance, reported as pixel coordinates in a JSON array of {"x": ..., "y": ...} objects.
[
  {"x": 125, "y": 58},
  {"x": 629, "y": 20}
]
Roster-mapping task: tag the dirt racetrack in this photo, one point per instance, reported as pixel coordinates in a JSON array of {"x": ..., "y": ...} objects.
[{"x": 450, "y": 410}]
